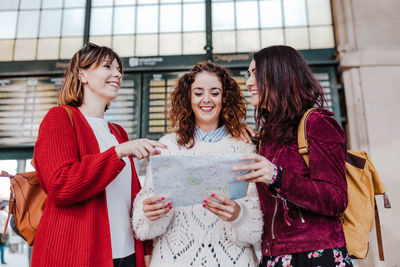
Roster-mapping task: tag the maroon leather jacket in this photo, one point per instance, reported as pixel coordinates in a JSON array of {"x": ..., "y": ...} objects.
[{"x": 304, "y": 213}]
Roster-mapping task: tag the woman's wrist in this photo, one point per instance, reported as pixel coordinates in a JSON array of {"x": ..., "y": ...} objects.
[
  {"x": 238, "y": 213},
  {"x": 118, "y": 151},
  {"x": 238, "y": 210},
  {"x": 275, "y": 175}
]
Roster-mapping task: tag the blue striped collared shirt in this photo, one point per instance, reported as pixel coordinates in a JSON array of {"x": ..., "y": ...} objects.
[{"x": 211, "y": 137}]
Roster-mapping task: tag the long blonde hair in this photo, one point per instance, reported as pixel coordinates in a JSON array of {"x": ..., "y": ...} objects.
[{"x": 91, "y": 55}]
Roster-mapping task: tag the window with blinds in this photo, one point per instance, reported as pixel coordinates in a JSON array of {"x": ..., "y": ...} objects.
[
  {"x": 160, "y": 85},
  {"x": 23, "y": 104},
  {"x": 25, "y": 101},
  {"x": 323, "y": 79},
  {"x": 156, "y": 89},
  {"x": 125, "y": 109},
  {"x": 241, "y": 80}
]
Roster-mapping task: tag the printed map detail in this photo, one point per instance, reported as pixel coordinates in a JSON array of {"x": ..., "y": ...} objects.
[{"x": 188, "y": 180}]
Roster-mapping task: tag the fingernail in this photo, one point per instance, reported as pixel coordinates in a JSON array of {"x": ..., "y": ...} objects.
[
  {"x": 170, "y": 207},
  {"x": 213, "y": 195},
  {"x": 169, "y": 203},
  {"x": 162, "y": 198},
  {"x": 204, "y": 205},
  {"x": 205, "y": 200}
]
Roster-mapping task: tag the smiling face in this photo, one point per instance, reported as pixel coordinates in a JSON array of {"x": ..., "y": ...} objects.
[
  {"x": 206, "y": 100},
  {"x": 102, "y": 83},
  {"x": 251, "y": 85}
]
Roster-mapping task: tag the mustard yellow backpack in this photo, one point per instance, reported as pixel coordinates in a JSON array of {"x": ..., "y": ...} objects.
[{"x": 363, "y": 183}]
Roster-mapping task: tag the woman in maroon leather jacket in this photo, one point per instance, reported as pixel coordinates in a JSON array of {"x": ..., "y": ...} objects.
[{"x": 302, "y": 206}]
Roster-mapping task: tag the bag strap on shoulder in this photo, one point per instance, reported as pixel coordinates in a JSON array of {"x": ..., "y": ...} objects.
[
  {"x": 302, "y": 136},
  {"x": 378, "y": 232},
  {"x": 6, "y": 174}
]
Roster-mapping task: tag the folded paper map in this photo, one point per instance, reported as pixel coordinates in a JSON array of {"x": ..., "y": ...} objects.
[{"x": 188, "y": 180}]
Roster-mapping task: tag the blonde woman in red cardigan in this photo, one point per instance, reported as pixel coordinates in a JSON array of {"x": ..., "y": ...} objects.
[{"x": 87, "y": 171}]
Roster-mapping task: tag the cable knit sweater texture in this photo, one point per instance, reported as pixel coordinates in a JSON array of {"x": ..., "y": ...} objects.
[{"x": 193, "y": 236}]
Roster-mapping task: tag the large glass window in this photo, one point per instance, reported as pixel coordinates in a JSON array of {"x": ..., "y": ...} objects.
[
  {"x": 54, "y": 29},
  {"x": 245, "y": 25},
  {"x": 149, "y": 27},
  {"x": 40, "y": 29}
]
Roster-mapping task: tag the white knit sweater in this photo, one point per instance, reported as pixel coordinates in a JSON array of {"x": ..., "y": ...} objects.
[{"x": 193, "y": 236}]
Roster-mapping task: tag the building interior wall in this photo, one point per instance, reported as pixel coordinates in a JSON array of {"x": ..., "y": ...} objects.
[{"x": 369, "y": 56}]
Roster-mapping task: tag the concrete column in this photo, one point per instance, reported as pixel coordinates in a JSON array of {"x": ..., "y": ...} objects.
[{"x": 368, "y": 41}]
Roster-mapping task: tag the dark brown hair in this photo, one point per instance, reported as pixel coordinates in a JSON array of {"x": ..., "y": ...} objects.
[
  {"x": 91, "y": 55},
  {"x": 180, "y": 115},
  {"x": 288, "y": 88}
]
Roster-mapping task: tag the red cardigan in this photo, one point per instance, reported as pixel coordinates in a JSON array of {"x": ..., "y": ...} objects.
[{"x": 74, "y": 230}]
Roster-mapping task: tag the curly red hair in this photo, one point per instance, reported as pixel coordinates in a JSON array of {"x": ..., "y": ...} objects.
[{"x": 181, "y": 116}]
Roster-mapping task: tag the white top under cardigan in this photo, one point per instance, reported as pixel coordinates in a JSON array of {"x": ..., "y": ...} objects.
[
  {"x": 193, "y": 236},
  {"x": 118, "y": 194}
]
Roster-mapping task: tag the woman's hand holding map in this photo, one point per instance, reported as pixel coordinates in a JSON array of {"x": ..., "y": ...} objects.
[
  {"x": 225, "y": 208},
  {"x": 155, "y": 208}
]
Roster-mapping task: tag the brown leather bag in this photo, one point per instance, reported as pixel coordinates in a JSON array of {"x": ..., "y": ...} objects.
[{"x": 27, "y": 200}]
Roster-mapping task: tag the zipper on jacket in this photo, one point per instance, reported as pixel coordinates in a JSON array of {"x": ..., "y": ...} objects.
[
  {"x": 301, "y": 215},
  {"x": 273, "y": 218},
  {"x": 288, "y": 220},
  {"x": 286, "y": 217},
  {"x": 292, "y": 202}
]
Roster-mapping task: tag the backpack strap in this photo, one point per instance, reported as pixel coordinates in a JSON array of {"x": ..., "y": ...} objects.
[
  {"x": 6, "y": 174},
  {"x": 378, "y": 232},
  {"x": 6, "y": 226},
  {"x": 302, "y": 136}
]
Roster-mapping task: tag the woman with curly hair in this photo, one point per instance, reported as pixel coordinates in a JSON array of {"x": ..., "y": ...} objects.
[{"x": 206, "y": 114}]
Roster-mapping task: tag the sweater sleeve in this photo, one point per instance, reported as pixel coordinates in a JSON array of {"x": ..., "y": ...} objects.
[
  {"x": 63, "y": 174},
  {"x": 143, "y": 227},
  {"x": 325, "y": 190},
  {"x": 248, "y": 227}
]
